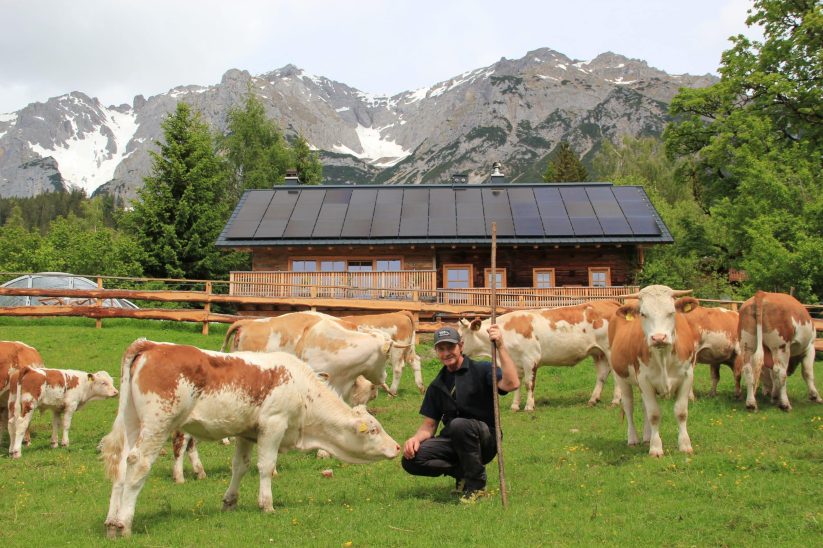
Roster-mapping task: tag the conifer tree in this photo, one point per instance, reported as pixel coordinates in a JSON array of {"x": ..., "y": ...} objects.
[{"x": 565, "y": 166}]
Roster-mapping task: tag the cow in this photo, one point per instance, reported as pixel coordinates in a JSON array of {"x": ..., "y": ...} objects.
[
  {"x": 272, "y": 399},
  {"x": 400, "y": 326},
  {"x": 334, "y": 348},
  {"x": 184, "y": 444},
  {"x": 63, "y": 391},
  {"x": 716, "y": 329},
  {"x": 653, "y": 346},
  {"x": 554, "y": 336},
  {"x": 776, "y": 333},
  {"x": 14, "y": 356}
]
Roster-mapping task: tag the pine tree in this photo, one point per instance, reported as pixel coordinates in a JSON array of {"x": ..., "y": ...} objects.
[
  {"x": 565, "y": 166},
  {"x": 183, "y": 205},
  {"x": 307, "y": 163}
]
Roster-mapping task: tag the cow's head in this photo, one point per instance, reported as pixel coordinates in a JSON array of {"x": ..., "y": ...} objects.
[
  {"x": 363, "y": 439},
  {"x": 656, "y": 309},
  {"x": 102, "y": 386},
  {"x": 475, "y": 338}
]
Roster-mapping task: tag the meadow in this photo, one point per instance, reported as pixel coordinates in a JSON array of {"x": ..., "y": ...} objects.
[{"x": 754, "y": 478}]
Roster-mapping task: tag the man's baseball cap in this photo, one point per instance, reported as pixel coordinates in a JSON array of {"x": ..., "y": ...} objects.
[{"x": 446, "y": 334}]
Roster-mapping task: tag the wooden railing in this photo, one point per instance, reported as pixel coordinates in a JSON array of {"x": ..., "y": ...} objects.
[{"x": 532, "y": 297}]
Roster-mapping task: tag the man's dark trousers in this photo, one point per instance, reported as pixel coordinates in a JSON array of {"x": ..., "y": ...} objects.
[{"x": 462, "y": 450}]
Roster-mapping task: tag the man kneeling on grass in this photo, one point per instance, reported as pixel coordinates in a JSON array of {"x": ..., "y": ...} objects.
[{"x": 461, "y": 397}]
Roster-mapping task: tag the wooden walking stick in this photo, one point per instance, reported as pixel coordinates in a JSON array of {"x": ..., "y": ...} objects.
[{"x": 497, "y": 431}]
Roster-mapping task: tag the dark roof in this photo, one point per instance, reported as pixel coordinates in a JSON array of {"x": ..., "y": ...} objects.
[{"x": 568, "y": 213}]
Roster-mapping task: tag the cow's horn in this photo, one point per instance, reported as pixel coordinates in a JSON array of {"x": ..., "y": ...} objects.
[
  {"x": 630, "y": 296},
  {"x": 681, "y": 292}
]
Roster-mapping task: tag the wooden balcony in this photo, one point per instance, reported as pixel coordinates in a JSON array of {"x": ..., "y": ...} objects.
[{"x": 407, "y": 285}]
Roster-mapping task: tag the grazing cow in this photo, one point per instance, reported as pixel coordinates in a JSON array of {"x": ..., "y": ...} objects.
[
  {"x": 336, "y": 349},
  {"x": 63, "y": 391},
  {"x": 272, "y": 399},
  {"x": 400, "y": 327},
  {"x": 653, "y": 347},
  {"x": 776, "y": 332},
  {"x": 717, "y": 344},
  {"x": 553, "y": 336},
  {"x": 13, "y": 357}
]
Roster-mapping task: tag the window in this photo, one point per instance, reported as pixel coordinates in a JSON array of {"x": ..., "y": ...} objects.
[
  {"x": 333, "y": 266},
  {"x": 360, "y": 266},
  {"x": 304, "y": 266},
  {"x": 457, "y": 276},
  {"x": 600, "y": 277},
  {"x": 501, "y": 277},
  {"x": 386, "y": 265},
  {"x": 543, "y": 277}
]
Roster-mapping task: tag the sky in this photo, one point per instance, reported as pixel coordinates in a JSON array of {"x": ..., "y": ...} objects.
[{"x": 117, "y": 49}]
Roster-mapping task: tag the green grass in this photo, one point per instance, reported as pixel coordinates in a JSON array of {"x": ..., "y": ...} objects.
[{"x": 755, "y": 478}]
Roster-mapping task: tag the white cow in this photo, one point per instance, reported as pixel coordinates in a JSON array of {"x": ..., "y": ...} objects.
[
  {"x": 554, "y": 336},
  {"x": 653, "y": 347},
  {"x": 272, "y": 399},
  {"x": 63, "y": 391}
]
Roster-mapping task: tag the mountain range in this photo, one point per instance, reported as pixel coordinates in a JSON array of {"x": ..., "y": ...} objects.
[{"x": 513, "y": 111}]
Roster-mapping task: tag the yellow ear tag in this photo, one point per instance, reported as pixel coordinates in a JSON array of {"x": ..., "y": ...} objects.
[
  {"x": 362, "y": 428},
  {"x": 687, "y": 308},
  {"x": 629, "y": 316}
]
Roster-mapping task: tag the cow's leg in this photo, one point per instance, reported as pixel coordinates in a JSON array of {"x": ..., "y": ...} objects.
[
  {"x": 532, "y": 380},
  {"x": 516, "y": 399},
  {"x": 715, "y": 369},
  {"x": 602, "y": 367},
  {"x": 681, "y": 412},
  {"x": 239, "y": 465},
  {"x": 781, "y": 358},
  {"x": 747, "y": 372},
  {"x": 194, "y": 457},
  {"x": 652, "y": 419},
  {"x": 807, "y": 371},
  {"x": 139, "y": 460},
  {"x": 4, "y": 421},
  {"x": 396, "y": 371},
  {"x": 418, "y": 373},
  {"x": 627, "y": 399},
  {"x": 56, "y": 418},
  {"x": 66, "y": 424},
  {"x": 268, "y": 443},
  {"x": 178, "y": 443},
  {"x": 18, "y": 425}
]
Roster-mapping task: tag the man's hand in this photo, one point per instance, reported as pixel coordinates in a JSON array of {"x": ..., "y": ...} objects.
[
  {"x": 495, "y": 335},
  {"x": 410, "y": 447}
]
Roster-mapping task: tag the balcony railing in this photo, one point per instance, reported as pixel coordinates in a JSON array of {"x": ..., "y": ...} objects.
[{"x": 407, "y": 285}]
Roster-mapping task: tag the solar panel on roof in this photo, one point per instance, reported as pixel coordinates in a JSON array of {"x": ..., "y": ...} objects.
[
  {"x": 525, "y": 214},
  {"x": 277, "y": 215},
  {"x": 359, "y": 215},
  {"x": 246, "y": 221},
  {"x": 638, "y": 211},
  {"x": 497, "y": 210},
  {"x": 553, "y": 212},
  {"x": 580, "y": 210},
  {"x": 608, "y": 211},
  {"x": 304, "y": 215},
  {"x": 386, "y": 220},
  {"x": 414, "y": 215},
  {"x": 442, "y": 220},
  {"x": 469, "y": 206}
]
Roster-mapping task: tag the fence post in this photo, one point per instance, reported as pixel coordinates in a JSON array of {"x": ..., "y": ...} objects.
[
  {"x": 207, "y": 310},
  {"x": 99, "y": 322}
]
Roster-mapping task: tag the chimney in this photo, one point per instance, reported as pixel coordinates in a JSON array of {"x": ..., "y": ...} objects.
[
  {"x": 291, "y": 177},
  {"x": 497, "y": 177}
]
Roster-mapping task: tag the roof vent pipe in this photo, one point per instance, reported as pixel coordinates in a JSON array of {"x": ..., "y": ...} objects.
[{"x": 497, "y": 177}]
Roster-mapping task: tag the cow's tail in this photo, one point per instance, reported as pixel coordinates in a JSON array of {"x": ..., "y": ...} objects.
[
  {"x": 758, "y": 357},
  {"x": 111, "y": 446},
  {"x": 232, "y": 332}
]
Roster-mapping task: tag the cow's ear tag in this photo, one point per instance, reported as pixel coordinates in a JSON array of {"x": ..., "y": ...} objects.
[
  {"x": 688, "y": 307},
  {"x": 362, "y": 428},
  {"x": 629, "y": 316},
  {"x": 91, "y": 377}
]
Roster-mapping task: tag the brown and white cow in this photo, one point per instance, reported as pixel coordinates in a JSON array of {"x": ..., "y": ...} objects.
[
  {"x": 554, "y": 336},
  {"x": 776, "y": 333},
  {"x": 338, "y": 350},
  {"x": 14, "y": 356},
  {"x": 400, "y": 326},
  {"x": 63, "y": 391},
  {"x": 272, "y": 399},
  {"x": 717, "y": 344},
  {"x": 653, "y": 347}
]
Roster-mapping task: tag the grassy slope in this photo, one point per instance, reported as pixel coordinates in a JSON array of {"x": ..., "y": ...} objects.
[{"x": 754, "y": 478}]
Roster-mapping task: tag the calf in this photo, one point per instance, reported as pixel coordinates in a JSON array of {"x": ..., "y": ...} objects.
[
  {"x": 400, "y": 327},
  {"x": 554, "y": 336},
  {"x": 13, "y": 357},
  {"x": 776, "y": 333},
  {"x": 63, "y": 391},
  {"x": 272, "y": 399},
  {"x": 653, "y": 347},
  {"x": 717, "y": 343}
]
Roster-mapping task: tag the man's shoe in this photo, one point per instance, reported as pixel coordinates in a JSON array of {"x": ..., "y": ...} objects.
[
  {"x": 470, "y": 496},
  {"x": 459, "y": 486}
]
